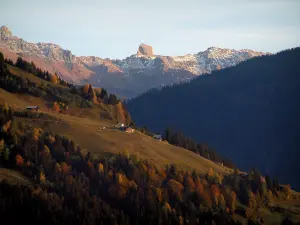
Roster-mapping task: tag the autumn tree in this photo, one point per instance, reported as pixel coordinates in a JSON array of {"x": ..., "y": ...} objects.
[
  {"x": 232, "y": 202},
  {"x": 215, "y": 192},
  {"x": 175, "y": 187},
  {"x": 57, "y": 171},
  {"x": 189, "y": 184},
  {"x": 19, "y": 160},
  {"x": 100, "y": 168},
  {"x": 42, "y": 177},
  {"x": 56, "y": 107},
  {"x": 2, "y": 146},
  {"x": 6, "y": 126},
  {"x": 5, "y": 108},
  {"x": 252, "y": 205},
  {"x": 210, "y": 176},
  {"x": 53, "y": 78},
  {"x": 221, "y": 202},
  {"x": 85, "y": 88},
  {"x": 199, "y": 186},
  {"x": 120, "y": 112}
]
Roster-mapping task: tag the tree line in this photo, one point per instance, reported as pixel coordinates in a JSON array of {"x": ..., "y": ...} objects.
[{"x": 43, "y": 74}]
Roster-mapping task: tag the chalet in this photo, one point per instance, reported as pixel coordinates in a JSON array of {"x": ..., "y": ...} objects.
[
  {"x": 33, "y": 108},
  {"x": 220, "y": 163},
  {"x": 119, "y": 125},
  {"x": 157, "y": 137},
  {"x": 129, "y": 130}
]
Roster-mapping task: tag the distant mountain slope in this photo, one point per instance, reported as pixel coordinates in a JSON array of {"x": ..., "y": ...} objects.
[
  {"x": 249, "y": 113},
  {"x": 127, "y": 77}
]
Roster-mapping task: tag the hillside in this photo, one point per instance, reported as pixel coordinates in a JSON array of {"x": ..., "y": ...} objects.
[
  {"x": 85, "y": 130},
  {"x": 117, "y": 176},
  {"x": 127, "y": 77},
  {"x": 82, "y": 125},
  {"x": 85, "y": 171},
  {"x": 249, "y": 113}
]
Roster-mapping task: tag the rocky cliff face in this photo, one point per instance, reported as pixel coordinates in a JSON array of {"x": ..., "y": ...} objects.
[{"x": 127, "y": 77}]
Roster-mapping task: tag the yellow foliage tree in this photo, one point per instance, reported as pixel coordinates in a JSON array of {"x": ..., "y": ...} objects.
[
  {"x": 190, "y": 182},
  {"x": 36, "y": 133},
  {"x": 100, "y": 168},
  {"x": 199, "y": 186},
  {"x": 85, "y": 88},
  {"x": 221, "y": 201},
  {"x": 53, "y": 78},
  {"x": 215, "y": 191},
  {"x": 167, "y": 208},
  {"x": 120, "y": 112},
  {"x": 6, "y": 126},
  {"x": 126, "y": 154},
  {"x": 175, "y": 187},
  {"x": 46, "y": 150},
  {"x": 232, "y": 202},
  {"x": 5, "y": 107},
  {"x": 42, "y": 177},
  {"x": 51, "y": 139},
  {"x": 2, "y": 146}
]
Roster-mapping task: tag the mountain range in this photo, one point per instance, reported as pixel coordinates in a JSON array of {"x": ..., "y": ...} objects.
[
  {"x": 249, "y": 113},
  {"x": 128, "y": 77}
]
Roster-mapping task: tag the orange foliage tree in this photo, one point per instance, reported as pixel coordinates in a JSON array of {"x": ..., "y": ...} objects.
[
  {"x": 56, "y": 107},
  {"x": 19, "y": 160}
]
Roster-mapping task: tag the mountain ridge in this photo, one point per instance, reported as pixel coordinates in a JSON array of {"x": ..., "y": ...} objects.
[{"x": 126, "y": 77}]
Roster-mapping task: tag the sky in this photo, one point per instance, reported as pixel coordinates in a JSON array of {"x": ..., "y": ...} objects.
[{"x": 115, "y": 28}]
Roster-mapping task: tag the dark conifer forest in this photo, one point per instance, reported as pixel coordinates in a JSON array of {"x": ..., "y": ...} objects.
[{"x": 248, "y": 113}]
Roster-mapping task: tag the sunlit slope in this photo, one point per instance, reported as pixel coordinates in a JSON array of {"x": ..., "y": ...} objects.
[
  {"x": 85, "y": 132},
  {"x": 82, "y": 125}
]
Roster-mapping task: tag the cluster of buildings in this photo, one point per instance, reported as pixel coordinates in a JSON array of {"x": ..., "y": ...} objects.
[
  {"x": 130, "y": 130},
  {"x": 123, "y": 127}
]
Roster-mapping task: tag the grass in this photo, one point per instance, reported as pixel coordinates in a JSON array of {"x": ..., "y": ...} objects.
[{"x": 84, "y": 131}]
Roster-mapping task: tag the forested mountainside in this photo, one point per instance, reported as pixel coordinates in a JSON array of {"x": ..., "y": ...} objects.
[
  {"x": 127, "y": 77},
  {"x": 249, "y": 113},
  {"x": 71, "y": 186},
  {"x": 49, "y": 179},
  {"x": 26, "y": 78}
]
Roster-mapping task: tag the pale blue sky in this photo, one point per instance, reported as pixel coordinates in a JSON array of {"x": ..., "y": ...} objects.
[{"x": 115, "y": 28}]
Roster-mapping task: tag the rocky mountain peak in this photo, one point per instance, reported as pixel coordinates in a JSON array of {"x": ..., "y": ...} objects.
[
  {"x": 5, "y": 32},
  {"x": 120, "y": 76},
  {"x": 145, "y": 50}
]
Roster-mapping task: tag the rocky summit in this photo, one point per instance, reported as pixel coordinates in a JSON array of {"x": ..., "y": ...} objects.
[
  {"x": 145, "y": 50},
  {"x": 127, "y": 77},
  {"x": 5, "y": 32}
]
